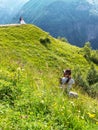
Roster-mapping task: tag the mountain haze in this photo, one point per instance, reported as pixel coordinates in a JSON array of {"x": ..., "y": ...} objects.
[
  {"x": 9, "y": 8},
  {"x": 76, "y": 20}
]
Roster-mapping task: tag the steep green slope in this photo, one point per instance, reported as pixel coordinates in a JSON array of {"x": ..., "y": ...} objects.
[
  {"x": 31, "y": 62},
  {"x": 23, "y": 43}
]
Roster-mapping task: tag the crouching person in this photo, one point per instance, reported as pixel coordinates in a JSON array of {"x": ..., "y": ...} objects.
[{"x": 66, "y": 82}]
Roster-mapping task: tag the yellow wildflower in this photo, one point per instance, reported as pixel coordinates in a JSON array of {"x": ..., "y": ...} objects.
[
  {"x": 97, "y": 123},
  {"x": 91, "y": 115}
]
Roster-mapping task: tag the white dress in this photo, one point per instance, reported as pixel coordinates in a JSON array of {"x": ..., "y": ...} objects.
[{"x": 22, "y": 22}]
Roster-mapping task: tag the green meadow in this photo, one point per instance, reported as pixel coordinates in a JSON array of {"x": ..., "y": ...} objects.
[{"x": 31, "y": 63}]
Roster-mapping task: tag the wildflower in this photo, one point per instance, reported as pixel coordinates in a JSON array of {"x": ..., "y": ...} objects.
[
  {"x": 62, "y": 113},
  {"x": 91, "y": 115},
  {"x": 42, "y": 101},
  {"x": 96, "y": 123},
  {"x": 55, "y": 104},
  {"x": 1, "y": 71},
  {"x": 63, "y": 107},
  {"x": 79, "y": 111},
  {"x": 23, "y": 69},
  {"x": 82, "y": 117},
  {"x": 72, "y": 103},
  {"x": 18, "y": 69}
]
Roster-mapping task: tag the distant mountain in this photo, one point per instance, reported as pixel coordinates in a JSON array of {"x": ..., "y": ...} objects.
[
  {"x": 77, "y": 20},
  {"x": 9, "y": 8}
]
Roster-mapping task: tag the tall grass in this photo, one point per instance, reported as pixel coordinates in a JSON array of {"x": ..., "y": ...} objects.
[{"x": 30, "y": 97}]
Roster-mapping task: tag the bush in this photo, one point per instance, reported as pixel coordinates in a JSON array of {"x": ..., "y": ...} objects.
[
  {"x": 94, "y": 57},
  {"x": 92, "y": 76},
  {"x": 88, "y": 81},
  {"x": 80, "y": 79},
  {"x": 8, "y": 92},
  {"x": 45, "y": 40},
  {"x": 87, "y": 50}
]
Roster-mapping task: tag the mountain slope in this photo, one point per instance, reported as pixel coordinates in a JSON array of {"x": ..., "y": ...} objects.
[
  {"x": 31, "y": 62},
  {"x": 76, "y": 20},
  {"x": 32, "y": 39}
]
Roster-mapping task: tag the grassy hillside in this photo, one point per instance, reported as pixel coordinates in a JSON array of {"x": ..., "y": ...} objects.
[
  {"x": 69, "y": 20},
  {"x": 31, "y": 62}
]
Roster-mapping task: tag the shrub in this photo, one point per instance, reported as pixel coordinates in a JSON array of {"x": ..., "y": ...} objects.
[
  {"x": 8, "y": 92},
  {"x": 94, "y": 57},
  {"x": 87, "y": 82},
  {"x": 92, "y": 76},
  {"x": 45, "y": 40},
  {"x": 87, "y": 50},
  {"x": 80, "y": 79}
]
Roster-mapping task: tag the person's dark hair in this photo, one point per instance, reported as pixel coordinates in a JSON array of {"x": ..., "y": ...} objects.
[{"x": 68, "y": 73}]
